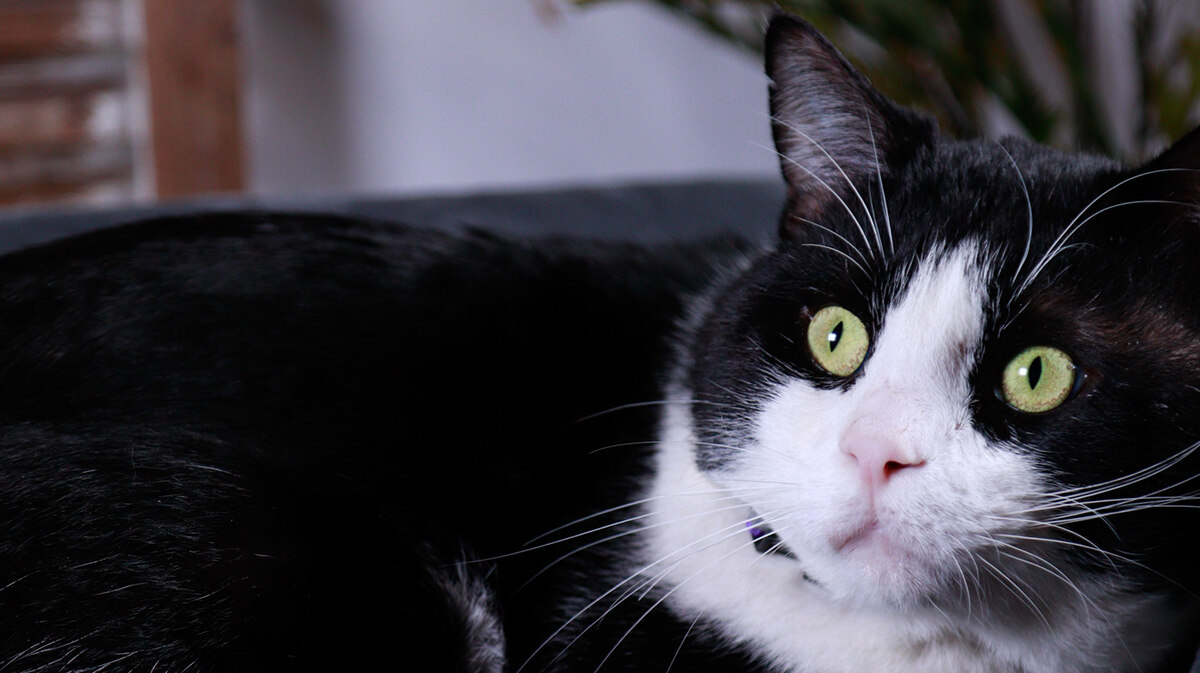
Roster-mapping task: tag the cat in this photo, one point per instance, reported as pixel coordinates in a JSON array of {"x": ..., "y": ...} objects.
[
  {"x": 957, "y": 394},
  {"x": 944, "y": 423}
]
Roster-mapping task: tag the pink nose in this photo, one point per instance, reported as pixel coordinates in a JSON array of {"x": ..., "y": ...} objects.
[{"x": 878, "y": 458}]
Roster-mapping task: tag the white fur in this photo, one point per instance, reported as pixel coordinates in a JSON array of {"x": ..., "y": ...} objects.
[
  {"x": 473, "y": 600},
  {"x": 918, "y": 597}
]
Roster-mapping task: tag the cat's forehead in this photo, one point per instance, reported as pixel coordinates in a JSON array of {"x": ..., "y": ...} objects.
[
  {"x": 1042, "y": 220},
  {"x": 953, "y": 189},
  {"x": 1011, "y": 197}
]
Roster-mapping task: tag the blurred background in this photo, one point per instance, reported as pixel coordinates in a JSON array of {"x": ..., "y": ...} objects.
[{"x": 115, "y": 101}]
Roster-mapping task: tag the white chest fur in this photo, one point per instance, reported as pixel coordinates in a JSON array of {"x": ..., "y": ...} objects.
[{"x": 699, "y": 544}]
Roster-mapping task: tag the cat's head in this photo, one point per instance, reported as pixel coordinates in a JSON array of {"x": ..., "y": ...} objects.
[{"x": 969, "y": 373}]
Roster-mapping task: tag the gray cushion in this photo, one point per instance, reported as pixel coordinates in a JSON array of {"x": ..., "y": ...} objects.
[{"x": 640, "y": 212}]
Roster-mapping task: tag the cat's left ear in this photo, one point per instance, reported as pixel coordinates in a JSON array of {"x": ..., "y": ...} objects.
[{"x": 830, "y": 125}]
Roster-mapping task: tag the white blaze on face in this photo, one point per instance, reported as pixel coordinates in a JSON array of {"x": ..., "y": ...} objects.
[{"x": 893, "y": 484}]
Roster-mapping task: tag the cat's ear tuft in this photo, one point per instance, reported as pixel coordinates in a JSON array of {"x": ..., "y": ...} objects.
[{"x": 830, "y": 125}]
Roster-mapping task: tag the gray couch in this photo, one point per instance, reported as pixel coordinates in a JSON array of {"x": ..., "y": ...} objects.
[{"x": 635, "y": 212}]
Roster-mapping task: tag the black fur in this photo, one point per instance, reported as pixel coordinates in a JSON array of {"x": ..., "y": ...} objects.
[{"x": 236, "y": 443}]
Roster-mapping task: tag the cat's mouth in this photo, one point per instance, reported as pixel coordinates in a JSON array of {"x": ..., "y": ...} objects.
[{"x": 861, "y": 535}]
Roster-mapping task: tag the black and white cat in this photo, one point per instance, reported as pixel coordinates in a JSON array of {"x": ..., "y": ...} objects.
[
  {"x": 946, "y": 423},
  {"x": 960, "y": 394}
]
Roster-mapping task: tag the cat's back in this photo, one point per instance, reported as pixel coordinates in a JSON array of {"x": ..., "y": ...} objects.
[
  {"x": 251, "y": 418},
  {"x": 208, "y": 310}
]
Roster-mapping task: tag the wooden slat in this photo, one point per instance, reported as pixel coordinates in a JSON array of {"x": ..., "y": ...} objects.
[
  {"x": 35, "y": 176},
  {"x": 55, "y": 122},
  {"x": 66, "y": 165},
  {"x": 41, "y": 78},
  {"x": 84, "y": 190},
  {"x": 192, "y": 62},
  {"x": 44, "y": 27}
]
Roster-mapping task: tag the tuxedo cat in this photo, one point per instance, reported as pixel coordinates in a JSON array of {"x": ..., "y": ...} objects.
[{"x": 945, "y": 423}]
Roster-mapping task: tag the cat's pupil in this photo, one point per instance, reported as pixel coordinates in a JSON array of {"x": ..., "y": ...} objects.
[
  {"x": 835, "y": 336},
  {"x": 1035, "y": 372}
]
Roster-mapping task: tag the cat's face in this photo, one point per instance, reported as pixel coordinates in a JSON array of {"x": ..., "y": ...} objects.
[{"x": 969, "y": 376}]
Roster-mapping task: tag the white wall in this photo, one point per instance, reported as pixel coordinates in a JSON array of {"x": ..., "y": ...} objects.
[{"x": 433, "y": 95}]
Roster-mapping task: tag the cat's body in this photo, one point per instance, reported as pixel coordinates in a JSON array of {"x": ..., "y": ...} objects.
[
  {"x": 946, "y": 423},
  {"x": 216, "y": 452}
]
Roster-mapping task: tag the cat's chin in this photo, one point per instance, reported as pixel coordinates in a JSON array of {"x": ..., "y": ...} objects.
[
  {"x": 874, "y": 571},
  {"x": 870, "y": 563}
]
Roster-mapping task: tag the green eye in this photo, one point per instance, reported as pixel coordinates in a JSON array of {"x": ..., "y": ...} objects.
[
  {"x": 837, "y": 340},
  {"x": 1039, "y": 379}
]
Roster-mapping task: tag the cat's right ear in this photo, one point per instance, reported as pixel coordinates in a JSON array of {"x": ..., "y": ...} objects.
[
  {"x": 831, "y": 126},
  {"x": 1176, "y": 174}
]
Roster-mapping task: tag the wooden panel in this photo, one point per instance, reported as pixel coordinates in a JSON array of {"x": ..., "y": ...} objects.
[
  {"x": 192, "y": 63},
  {"x": 64, "y": 122}
]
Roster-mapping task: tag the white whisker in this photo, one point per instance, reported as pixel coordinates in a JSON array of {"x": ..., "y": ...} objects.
[
  {"x": 848, "y": 257},
  {"x": 1028, "y": 208},
  {"x": 843, "y": 239},
  {"x": 1092, "y": 490},
  {"x": 832, "y": 191},
  {"x": 887, "y": 218},
  {"x": 1070, "y": 229},
  {"x": 723, "y": 536},
  {"x": 1009, "y": 582},
  {"x": 1070, "y": 232},
  {"x": 667, "y": 595},
  {"x": 849, "y": 182},
  {"x": 637, "y": 405},
  {"x": 633, "y": 531},
  {"x": 681, "y": 642}
]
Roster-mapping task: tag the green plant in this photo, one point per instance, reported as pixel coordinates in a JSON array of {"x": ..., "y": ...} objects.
[{"x": 986, "y": 67}]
